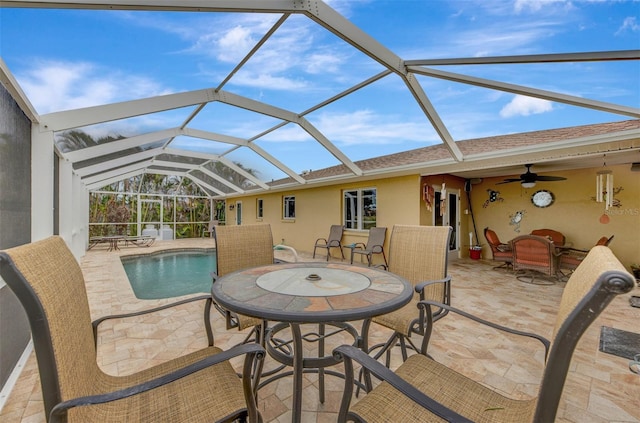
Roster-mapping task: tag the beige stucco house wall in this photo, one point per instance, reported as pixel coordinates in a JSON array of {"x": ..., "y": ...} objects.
[
  {"x": 399, "y": 201},
  {"x": 574, "y": 211}
]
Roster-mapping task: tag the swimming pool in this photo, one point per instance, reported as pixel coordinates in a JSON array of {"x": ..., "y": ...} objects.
[{"x": 170, "y": 274}]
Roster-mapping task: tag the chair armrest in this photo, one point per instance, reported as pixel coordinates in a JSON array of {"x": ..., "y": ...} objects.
[
  {"x": 377, "y": 249},
  {"x": 98, "y": 321},
  {"x": 426, "y": 304},
  {"x": 349, "y": 353},
  {"x": 421, "y": 285},
  {"x": 321, "y": 239},
  {"x": 251, "y": 351}
]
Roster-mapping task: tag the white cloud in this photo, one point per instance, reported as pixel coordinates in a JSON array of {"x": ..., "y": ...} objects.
[
  {"x": 318, "y": 63},
  {"x": 361, "y": 127},
  {"x": 629, "y": 24},
  {"x": 537, "y": 6},
  {"x": 525, "y": 106},
  {"x": 367, "y": 127},
  {"x": 235, "y": 43},
  {"x": 500, "y": 39},
  {"x": 268, "y": 81},
  {"x": 287, "y": 57},
  {"x": 56, "y": 85}
]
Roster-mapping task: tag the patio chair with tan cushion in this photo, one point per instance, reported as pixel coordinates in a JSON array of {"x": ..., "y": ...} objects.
[
  {"x": 239, "y": 247},
  {"x": 424, "y": 390},
  {"x": 333, "y": 241},
  {"x": 418, "y": 254},
  {"x": 199, "y": 386},
  {"x": 500, "y": 251},
  {"x": 535, "y": 256},
  {"x": 375, "y": 245}
]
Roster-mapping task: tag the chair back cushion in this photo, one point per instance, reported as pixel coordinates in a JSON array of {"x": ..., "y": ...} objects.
[
  {"x": 242, "y": 246},
  {"x": 376, "y": 237},
  {"x": 591, "y": 287},
  {"x": 419, "y": 253},
  {"x": 48, "y": 282},
  {"x": 492, "y": 238},
  {"x": 500, "y": 251},
  {"x": 533, "y": 252},
  {"x": 557, "y": 237},
  {"x": 335, "y": 234}
]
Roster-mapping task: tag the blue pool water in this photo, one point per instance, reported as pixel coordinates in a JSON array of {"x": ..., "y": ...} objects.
[{"x": 168, "y": 275}]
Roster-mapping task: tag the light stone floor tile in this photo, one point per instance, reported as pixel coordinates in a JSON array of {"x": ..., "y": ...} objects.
[{"x": 599, "y": 387}]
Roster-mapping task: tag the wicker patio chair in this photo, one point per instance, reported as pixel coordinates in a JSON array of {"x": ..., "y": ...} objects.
[
  {"x": 556, "y": 237},
  {"x": 423, "y": 390},
  {"x": 534, "y": 256},
  {"x": 375, "y": 245},
  {"x": 570, "y": 258},
  {"x": 500, "y": 251},
  {"x": 418, "y": 254},
  {"x": 334, "y": 241},
  {"x": 197, "y": 387}
]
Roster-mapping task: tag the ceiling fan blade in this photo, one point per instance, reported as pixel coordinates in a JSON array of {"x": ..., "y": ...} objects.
[
  {"x": 508, "y": 181},
  {"x": 551, "y": 178}
]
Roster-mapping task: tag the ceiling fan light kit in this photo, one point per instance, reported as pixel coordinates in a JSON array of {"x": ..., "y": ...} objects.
[{"x": 529, "y": 179}]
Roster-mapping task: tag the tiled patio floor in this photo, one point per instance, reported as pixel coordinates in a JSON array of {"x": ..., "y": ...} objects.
[{"x": 600, "y": 387}]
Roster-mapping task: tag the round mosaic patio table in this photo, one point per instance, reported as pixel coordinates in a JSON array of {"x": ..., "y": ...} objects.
[{"x": 297, "y": 293}]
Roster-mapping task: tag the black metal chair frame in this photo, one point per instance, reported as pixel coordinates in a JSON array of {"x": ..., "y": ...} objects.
[
  {"x": 55, "y": 408},
  {"x": 333, "y": 241},
  {"x": 375, "y": 234},
  {"x": 558, "y": 354},
  {"x": 417, "y": 325}
]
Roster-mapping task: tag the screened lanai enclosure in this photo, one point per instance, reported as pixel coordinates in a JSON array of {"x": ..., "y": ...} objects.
[
  {"x": 130, "y": 214},
  {"x": 120, "y": 116},
  {"x": 275, "y": 95}
]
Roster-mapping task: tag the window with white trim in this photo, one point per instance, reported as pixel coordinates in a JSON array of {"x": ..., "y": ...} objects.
[
  {"x": 359, "y": 208},
  {"x": 259, "y": 208},
  {"x": 289, "y": 207}
]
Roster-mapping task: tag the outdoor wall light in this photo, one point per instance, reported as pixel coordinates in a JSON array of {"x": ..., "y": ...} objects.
[{"x": 231, "y": 207}]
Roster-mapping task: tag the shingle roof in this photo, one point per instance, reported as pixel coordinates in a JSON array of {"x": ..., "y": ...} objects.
[{"x": 471, "y": 147}]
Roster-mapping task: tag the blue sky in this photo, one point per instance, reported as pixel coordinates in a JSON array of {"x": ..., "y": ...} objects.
[{"x": 66, "y": 59}]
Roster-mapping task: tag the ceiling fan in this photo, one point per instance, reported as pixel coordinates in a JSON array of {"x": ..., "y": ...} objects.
[{"x": 529, "y": 179}]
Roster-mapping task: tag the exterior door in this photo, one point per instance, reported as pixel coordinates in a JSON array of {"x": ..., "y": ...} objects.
[{"x": 446, "y": 212}]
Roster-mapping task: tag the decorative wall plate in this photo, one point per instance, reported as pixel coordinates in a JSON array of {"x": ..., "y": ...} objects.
[{"x": 542, "y": 198}]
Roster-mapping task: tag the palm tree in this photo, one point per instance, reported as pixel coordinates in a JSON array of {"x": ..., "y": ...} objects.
[
  {"x": 234, "y": 177},
  {"x": 74, "y": 140}
]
